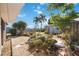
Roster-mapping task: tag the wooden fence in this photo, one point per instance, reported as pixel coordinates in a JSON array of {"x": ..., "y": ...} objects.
[{"x": 75, "y": 30}]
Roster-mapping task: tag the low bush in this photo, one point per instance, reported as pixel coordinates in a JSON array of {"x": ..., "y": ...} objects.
[
  {"x": 61, "y": 35},
  {"x": 32, "y": 36},
  {"x": 50, "y": 36},
  {"x": 42, "y": 38},
  {"x": 13, "y": 32},
  {"x": 72, "y": 47},
  {"x": 37, "y": 43},
  {"x": 27, "y": 34},
  {"x": 42, "y": 43},
  {"x": 51, "y": 41}
]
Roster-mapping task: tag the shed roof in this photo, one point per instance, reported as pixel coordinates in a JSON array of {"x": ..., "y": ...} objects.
[{"x": 76, "y": 19}]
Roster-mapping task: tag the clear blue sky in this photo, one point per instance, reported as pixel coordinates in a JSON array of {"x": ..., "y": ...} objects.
[{"x": 30, "y": 10}]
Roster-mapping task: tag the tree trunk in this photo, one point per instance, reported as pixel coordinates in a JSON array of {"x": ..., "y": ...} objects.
[{"x": 41, "y": 26}]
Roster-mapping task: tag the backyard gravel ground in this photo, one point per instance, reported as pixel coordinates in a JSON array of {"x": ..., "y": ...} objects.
[{"x": 20, "y": 48}]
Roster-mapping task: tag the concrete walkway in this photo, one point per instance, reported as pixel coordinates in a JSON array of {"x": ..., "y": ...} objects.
[
  {"x": 19, "y": 47},
  {"x": 60, "y": 42},
  {"x": 1, "y": 49},
  {"x": 62, "y": 51}
]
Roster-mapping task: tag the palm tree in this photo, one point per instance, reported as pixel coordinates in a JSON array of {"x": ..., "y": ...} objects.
[
  {"x": 73, "y": 15},
  {"x": 36, "y": 21},
  {"x": 42, "y": 19}
]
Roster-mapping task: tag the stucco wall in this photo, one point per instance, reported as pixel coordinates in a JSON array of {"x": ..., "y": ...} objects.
[
  {"x": 9, "y": 11},
  {"x": 0, "y": 31},
  {"x": 0, "y": 37}
]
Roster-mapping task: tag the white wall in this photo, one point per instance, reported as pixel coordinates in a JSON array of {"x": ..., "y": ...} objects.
[{"x": 53, "y": 29}]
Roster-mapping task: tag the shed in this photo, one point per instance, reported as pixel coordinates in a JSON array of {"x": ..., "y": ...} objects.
[{"x": 75, "y": 29}]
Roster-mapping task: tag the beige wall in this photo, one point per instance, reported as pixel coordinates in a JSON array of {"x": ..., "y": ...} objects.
[
  {"x": 9, "y": 11},
  {"x": 0, "y": 31}
]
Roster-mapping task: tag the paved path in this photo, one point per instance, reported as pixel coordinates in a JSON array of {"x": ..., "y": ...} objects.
[
  {"x": 64, "y": 50},
  {"x": 19, "y": 47},
  {"x": 1, "y": 49},
  {"x": 59, "y": 41}
]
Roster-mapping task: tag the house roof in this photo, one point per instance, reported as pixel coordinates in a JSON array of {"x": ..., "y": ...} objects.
[
  {"x": 9, "y": 11},
  {"x": 76, "y": 19}
]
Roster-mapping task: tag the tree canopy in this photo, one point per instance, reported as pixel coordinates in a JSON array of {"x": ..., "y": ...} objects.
[
  {"x": 66, "y": 14},
  {"x": 39, "y": 20},
  {"x": 21, "y": 26}
]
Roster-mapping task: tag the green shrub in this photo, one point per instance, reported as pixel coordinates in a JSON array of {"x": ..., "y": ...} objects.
[
  {"x": 26, "y": 34},
  {"x": 42, "y": 38},
  {"x": 50, "y": 36},
  {"x": 72, "y": 47},
  {"x": 13, "y": 32},
  {"x": 37, "y": 43},
  {"x": 31, "y": 33},
  {"x": 33, "y": 36},
  {"x": 42, "y": 43},
  {"x": 51, "y": 41}
]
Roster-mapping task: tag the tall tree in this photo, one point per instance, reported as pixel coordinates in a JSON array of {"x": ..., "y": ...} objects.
[
  {"x": 15, "y": 25},
  {"x": 63, "y": 22},
  {"x": 61, "y": 7},
  {"x": 65, "y": 14},
  {"x": 36, "y": 21},
  {"x": 39, "y": 20},
  {"x": 21, "y": 26},
  {"x": 42, "y": 19}
]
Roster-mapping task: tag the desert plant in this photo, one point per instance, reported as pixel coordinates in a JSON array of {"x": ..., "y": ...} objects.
[
  {"x": 42, "y": 43},
  {"x": 42, "y": 38},
  {"x": 51, "y": 42},
  {"x": 50, "y": 36},
  {"x": 35, "y": 43}
]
